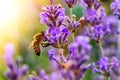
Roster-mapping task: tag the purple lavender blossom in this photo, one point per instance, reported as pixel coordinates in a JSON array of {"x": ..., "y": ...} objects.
[
  {"x": 79, "y": 57},
  {"x": 43, "y": 75},
  {"x": 52, "y": 15},
  {"x": 51, "y": 54},
  {"x": 105, "y": 66},
  {"x": 74, "y": 62},
  {"x": 56, "y": 75},
  {"x": 83, "y": 41},
  {"x": 115, "y": 6},
  {"x": 57, "y": 37},
  {"x": 80, "y": 46},
  {"x": 110, "y": 51},
  {"x": 111, "y": 22},
  {"x": 97, "y": 32},
  {"x": 8, "y": 55},
  {"x": 72, "y": 24},
  {"x": 90, "y": 3},
  {"x": 107, "y": 26},
  {"x": 94, "y": 17},
  {"x": 71, "y": 3},
  {"x": 15, "y": 70}
]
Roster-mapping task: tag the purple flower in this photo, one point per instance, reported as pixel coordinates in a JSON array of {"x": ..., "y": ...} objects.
[
  {"x": 111, "y": 22},
  {"x": 105, "y": 66},
  {"x": 110, "y": 51},
  {"x": 9, "y": 53},
  {"x": 115, "y": 6},
  {"x": 71, "y": 3},
  {"x": 52, "y": 15},
  {"x": 57, "y": 56},
  {"x": 94, "y": 17},
  {"x": 80, "y": 47},
  {"x": 73, "y": 66},
  {"x": 83, "y": 41},
  {"x": 73, "y": 48},
  {"x": 17, "y": 72},
  {"x": 56, "y": 75},
  {"x": 57, "y": 37},
  {"x": 72, "y": 24},
  {"x": 90, "y": 4},
  {"x": 97, "y": 32},
  {"x": 51, "y": 53},
  {"x": 78, "y": 50},
  {"x": 43, "y": 75}
]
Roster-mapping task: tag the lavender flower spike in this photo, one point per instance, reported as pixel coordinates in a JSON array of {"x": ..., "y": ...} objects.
[
  {"x": 115, "y": 6},
  {"x": 91, "y": 3},
  {"x": 8, "y": 55},
  {"x": 52, "y": 15},
  {"x": 15, "y": 70},
  {"x": 72, "y": 24},
  {"x": 57, "y": 37},
  {"x": 71, "y": 3},
  {"x": 106, "y": 66}
]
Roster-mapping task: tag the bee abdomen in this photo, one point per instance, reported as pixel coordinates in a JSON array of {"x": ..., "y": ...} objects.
[{"x": 36, "y": 48}]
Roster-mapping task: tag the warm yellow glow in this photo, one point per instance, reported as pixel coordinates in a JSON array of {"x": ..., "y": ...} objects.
[
  {"x": 8, "y": 11},
  {"x": 17, "y": 17},
  {"x": 9, "y": 15}
]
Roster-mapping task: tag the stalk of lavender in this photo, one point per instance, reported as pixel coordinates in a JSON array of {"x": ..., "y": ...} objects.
[
  {"x": 106, "y": 66},
  {"x": 15, "y": 69},
  {"x": 94, "y": 15},
  {"x": 70, "y": 13},
  {"x": 74, "y": 65},
  {"x": 101, "y": 48},
  {"x": 71, "y": 4},
  {"x": 71, "y": 20},
  {"x": 115, "y": 7},
  {"x": 73, "y": 36}
]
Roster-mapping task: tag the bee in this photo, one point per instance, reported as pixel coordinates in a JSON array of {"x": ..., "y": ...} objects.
[{"x": 37, "y": 40}]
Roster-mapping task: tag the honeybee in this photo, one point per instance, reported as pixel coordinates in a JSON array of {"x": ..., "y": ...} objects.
[{"x": 37, "y": 40}]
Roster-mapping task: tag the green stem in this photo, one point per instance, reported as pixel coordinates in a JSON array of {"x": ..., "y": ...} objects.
[
  {"x": 73, "y": 36},
  {"x": 101, "y": 48},
  {"x": 70, "y": 13},
  {"x": 108, "y": 78}
]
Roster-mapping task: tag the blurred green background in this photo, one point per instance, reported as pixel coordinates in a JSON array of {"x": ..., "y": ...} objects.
[{"x": 19, "y": 21}]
